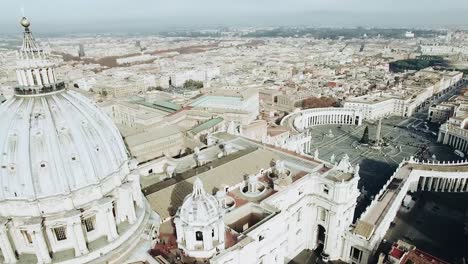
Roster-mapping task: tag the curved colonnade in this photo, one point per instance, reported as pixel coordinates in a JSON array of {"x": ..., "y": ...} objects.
[{"x": 303, "y": 119}]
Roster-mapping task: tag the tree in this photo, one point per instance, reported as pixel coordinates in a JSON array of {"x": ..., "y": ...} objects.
[
  {"x": 365, "y": 136},
  {"x": 317, "y": 102},
  {"x": 193, "y": 84},
  {"x": 103, "y": 93}
]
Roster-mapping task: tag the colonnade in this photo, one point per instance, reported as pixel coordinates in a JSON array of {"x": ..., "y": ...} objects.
[
  {"x": 455, "y": 141},
  {"x": 443, "y": 184},
  {"x": 326, "y": 119},
  {"x": 36, "y": 77},
  {"x": 326, "y": 116}
]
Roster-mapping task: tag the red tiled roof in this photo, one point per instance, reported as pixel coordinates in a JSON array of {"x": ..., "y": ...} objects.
[
  {"x": 417, "y": 256},
  {"x": 396, "y": 253}
]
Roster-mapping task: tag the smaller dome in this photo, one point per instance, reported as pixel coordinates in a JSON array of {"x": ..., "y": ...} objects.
[
  {"x": 199, "y": 208},
  {"x": 25, "y": 22}
]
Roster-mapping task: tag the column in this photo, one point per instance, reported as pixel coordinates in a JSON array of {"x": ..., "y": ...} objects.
[
  {"x": 131, "y": 211},
  {"x": 445, "y": 138},
  {"x": 40, "y": 245},
  {"x": 75, "y": 231},
  {"x": 5, "y": 245},
  {"x": 221, "y": 232},
  {"x": 24, "y": 78},
  {"x": 20, "y": 79},
  {"x": 458, "y": 184},
  {"x": 439, "y": 181},
  {"x": 423, "y": 182},
  {"x": 430, "y": 183},
  {"x": 105, "y": 219},
  {"x": 446, "y": 184},
  {"x": 30, "y": 77},
  {"x": 207, "y": 239},
  {"x": 44, "y": 76},
  {"x": 112, "y": 227},
  {"x": 54, "y": 75},
  {"x": 38, "y": 77},
  {"x": 50, "y": 76}
]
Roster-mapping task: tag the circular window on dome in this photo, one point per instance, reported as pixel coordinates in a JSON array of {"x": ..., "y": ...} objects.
[
  {"x": 12, "y": 167},
  {"x": 98, "y": 149}
]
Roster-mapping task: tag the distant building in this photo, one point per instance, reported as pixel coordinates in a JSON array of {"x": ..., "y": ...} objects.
[
  {"x": 81, "y": 51},
  {"x": 440, "y": 113},
  {"x": 409, "y": 34}
]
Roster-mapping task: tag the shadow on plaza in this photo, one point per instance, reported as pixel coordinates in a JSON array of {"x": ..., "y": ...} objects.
[
  {"x": 435, "y": 224},
  {"x": 374, "y": 174}
]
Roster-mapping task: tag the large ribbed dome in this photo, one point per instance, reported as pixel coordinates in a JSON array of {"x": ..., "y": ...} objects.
[{"x": 54, "y": 144}]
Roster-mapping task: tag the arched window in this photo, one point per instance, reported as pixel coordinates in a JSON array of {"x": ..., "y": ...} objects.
[{"x": 199, "y": 236}]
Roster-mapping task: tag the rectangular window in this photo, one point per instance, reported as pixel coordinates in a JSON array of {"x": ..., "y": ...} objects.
[
  {"x": 89, "y": 223},
  {"x": 60, "y": 233},
  {"x": 356, "y": 254},
  {"x": 27, "y": 236}
]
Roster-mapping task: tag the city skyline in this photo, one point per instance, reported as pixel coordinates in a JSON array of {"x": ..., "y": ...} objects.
[{"x": 154, "y": 16}]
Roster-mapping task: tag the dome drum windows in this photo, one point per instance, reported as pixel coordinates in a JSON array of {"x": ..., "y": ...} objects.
[
  {"x": 90, "y": 223},
  {"x": 60, "y": 233}
]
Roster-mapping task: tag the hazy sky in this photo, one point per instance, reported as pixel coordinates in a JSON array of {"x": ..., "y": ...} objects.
[{"x": 128, "y": 15}]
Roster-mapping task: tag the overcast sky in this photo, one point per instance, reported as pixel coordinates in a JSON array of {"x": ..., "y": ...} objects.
[{"x": 128, "y": 15}]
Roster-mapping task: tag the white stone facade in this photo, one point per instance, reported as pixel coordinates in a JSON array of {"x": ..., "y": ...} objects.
[
  {"x": 69, "y": 192},
  {"x": 312, "y": 212}
]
